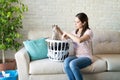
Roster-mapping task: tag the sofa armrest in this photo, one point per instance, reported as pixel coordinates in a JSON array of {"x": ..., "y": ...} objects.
[{"x": 22, "y": 60}]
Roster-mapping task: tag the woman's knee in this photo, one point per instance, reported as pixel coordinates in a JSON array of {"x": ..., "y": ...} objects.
[
  {"x": 73, "y": 64},
  {"x": 68, "y": 60}
]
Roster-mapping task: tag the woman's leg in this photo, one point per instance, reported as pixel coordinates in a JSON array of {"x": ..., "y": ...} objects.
[
  {"x": 67, "y": 67},
  {"x": 78, "y": 64}
]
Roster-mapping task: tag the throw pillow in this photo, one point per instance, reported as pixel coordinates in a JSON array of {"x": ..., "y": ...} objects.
[{"x": 37, "y": 49}]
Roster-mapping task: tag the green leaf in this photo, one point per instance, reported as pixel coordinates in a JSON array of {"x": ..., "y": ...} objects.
[
  {"x": 8, "y": 40},
  {"x": 1, "y": 1},
  {"x": 8, "y": 14},
  {"x": 2, "y": 47},
  {"x": 17, "y": 35},
  {"x": 12, "y": 27}
]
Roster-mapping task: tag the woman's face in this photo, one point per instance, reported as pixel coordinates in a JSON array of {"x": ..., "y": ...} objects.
[{"x": 78, "y": 23}]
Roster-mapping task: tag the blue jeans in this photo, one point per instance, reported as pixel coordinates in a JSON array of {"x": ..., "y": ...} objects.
[{"x": 72, "y": 66}]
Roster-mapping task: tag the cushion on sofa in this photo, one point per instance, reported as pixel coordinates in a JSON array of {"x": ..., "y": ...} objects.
[
  {"x": 58, "y": 67},
  {"x": 37, "y": 49},
  {"x": 45, "y": 66},
  {"x": 112, "y": 61},
  {"x": 98, "y": 65},
  {"x": 107, "y": 44}
]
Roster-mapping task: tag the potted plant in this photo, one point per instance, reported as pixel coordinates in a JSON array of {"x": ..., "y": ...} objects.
[{"x": 11, "y": 14}]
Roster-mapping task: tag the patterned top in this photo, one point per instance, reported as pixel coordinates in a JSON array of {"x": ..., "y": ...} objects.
[{"x": 84, "y": 49}]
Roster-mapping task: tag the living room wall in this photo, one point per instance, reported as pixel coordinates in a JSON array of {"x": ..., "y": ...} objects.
[
  {"x": 42, "y": 14},
  {"x": 103, "y": 14}
]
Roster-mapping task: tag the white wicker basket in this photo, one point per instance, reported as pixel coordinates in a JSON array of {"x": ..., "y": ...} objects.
[{"x": 57, "y": 50}]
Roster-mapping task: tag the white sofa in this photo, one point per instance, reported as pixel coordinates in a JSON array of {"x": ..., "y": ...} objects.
[{"x": 106, "y": 66}]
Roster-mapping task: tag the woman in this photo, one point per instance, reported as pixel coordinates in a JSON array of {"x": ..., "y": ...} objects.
[{"x": 82, "y": 39}]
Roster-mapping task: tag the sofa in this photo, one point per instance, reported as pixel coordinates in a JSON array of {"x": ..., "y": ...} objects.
[{"x": 105, "y": 66}]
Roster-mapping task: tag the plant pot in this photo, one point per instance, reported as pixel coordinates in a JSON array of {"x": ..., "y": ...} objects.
[{"x": 9, "y": 65}]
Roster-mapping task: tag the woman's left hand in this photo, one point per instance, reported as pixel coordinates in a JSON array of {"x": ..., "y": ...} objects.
[{"x": 64, "y": 36}]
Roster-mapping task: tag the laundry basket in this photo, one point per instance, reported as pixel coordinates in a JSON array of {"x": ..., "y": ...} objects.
[{"x": 58, "y": 50}]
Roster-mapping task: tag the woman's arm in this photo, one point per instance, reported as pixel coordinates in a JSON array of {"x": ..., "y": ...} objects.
[
  {"x": 75, "y": 38},
  {"x": 61, "y": 32}
]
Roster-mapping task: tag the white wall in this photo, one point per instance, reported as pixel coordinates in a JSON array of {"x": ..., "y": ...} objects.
[{"x": 103, "y": 14}]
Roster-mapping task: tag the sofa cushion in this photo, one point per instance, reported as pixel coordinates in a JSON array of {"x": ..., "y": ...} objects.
[
  {"x": 112, "y": 61},
  {"x": 98, "y": 65},
  {"x": 37, "y": 49},
  {"x": 107, "y": 44},
  {"x": 46, "y": 66}
]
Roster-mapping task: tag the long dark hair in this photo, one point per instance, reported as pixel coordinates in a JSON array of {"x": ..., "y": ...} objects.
[{"x": 83, "y": 18}]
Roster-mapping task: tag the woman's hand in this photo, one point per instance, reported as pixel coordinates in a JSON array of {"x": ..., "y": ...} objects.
[{"x": 64, "y": 36}]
